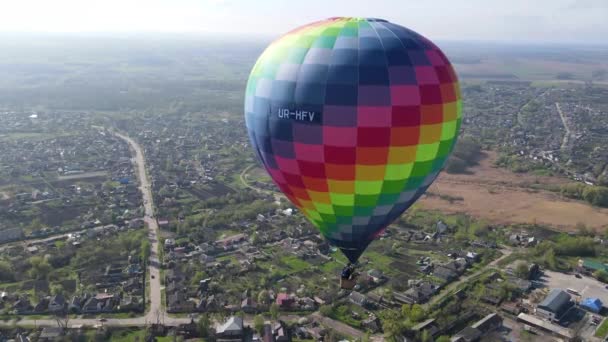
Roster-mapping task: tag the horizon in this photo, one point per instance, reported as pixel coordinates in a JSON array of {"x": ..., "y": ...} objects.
[
  {"x": 545, "y": 21},
  {"x": 266, "y": 37}
]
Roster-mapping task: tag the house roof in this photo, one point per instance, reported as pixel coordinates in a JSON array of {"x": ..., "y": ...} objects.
[
  {"x": 593, "y": 304},
  {"x": 594, "y": 265},
  {"x": 357, "y": 297},
  {"x": 468, "y": 334},
  {"x": 375, "y": 273},
  {"x": 443, "y": 272},
  {"x": 58, "y": 299},
  {"x": 423, "y": 325},
  {"x": 535, "y": 321},
  {"x": 484, "y": 323},
  {"x": 233, "y": 324},
  {"x": 556, "y": 299}
]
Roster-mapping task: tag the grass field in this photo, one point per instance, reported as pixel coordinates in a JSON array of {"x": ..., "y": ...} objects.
[
  {"x": 502, "y": 197},
  {"x": 602, "y": 330},
  {"x": 294, "y": 263}
]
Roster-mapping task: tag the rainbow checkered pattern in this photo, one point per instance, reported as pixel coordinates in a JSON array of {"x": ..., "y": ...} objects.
[{"x": 353, "y": 119}]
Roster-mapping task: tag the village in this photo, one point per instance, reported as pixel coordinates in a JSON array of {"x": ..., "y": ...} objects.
[
  {"x": 556, "y": 129},
  {"x": 68, "y": 179},
  {"x": 238, "y": 262}
]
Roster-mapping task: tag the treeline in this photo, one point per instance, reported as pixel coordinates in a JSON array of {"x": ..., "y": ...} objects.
[
  {"x": 467, "y": 153},
  {"x": 547, "y": 252},
  {"x": 595, "y": 195}
]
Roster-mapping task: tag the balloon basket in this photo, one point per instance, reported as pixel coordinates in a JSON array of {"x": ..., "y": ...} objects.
[{"x": 348, "y": 284}]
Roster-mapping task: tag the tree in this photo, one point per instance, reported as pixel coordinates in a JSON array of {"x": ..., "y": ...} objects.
[
  {"x": 396, "y": 247},
  {"x": 325, "y": 310},
  {"x": 263, "y": 297},
  {"x": 392, "y": 324},
  {"x": 40, "y": 268},
  {"x": 522, "y": 270},
  {"x": 274, "y": 311},
  {"x": 6, "y": 272},
  {"x": 443, "y": 338},
  {"x": 255, "y": 238},
  {"x": 204, "y": 325},
  {"x": 417, "y": 313},
  {"x": 549, "y": 259},
  {"x": 601, "y": 275},
  {"x": 583, "y": 230},
  {"x": 145, "y": 250},
  {"x": 258, "y": 324},
  {"x": 425, "y": 336}
]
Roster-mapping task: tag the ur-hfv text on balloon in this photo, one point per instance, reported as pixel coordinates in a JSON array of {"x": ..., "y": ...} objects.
[{"x": 299, "y": 115}]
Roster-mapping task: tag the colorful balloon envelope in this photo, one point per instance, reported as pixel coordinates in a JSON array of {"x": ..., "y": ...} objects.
[{"x": 353, "y": 119}]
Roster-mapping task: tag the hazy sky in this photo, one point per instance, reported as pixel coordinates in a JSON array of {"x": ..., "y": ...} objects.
[{"x": 511, "y": 20}]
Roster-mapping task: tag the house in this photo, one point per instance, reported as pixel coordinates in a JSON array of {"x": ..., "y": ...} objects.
[
  {"x": 472, "y": 257},
  {"x": 357, "y": 299},
  {"x": 169, "y": 243},
  {"x": 372, "y": 323},
  {"x": 429, "y": 325},
  {"x": 248, "y": 305},
  {"x": 177, "y": 302},
  {"x": 57, "y": 303},
  {"x": 42, "y": 306},
  {"x": 134, "y": 286},
  {"x": 280, "y": 332},
  {"x": 91, "y": 306},
  {"x": 488, "y": 323},
  {"x": 467, "y": 334},
  {"x": 75, "y": 305},
  {"x": 417, "y": 294},
  {"x": 99, "y": 303},
  {"x": 376, "y": 276},
  {"x": 284, "y": 300},
  {"x": 545, "y": 326},
  {"x": 268, "y": 335},
  {"x": 174, "y": 275},
  {"x": 129, "y": 303},
  {"x": 232, "y": 329},
  {"x": 444, "y": 273},
  {"x": 20, "y": 338},
  {"x": 554, "y": 305},
  {"x": 592, "y": 304},
  {"x": 23, "y": 306},
  {"x": 515, "y": 239},
  {"x": 521, "y": 285},
  {"x": 512, "y": 308},
  {"x": 441, "y": 227}
]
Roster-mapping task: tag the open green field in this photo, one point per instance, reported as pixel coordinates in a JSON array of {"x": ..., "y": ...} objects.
[{"x": 602, "y": 330}]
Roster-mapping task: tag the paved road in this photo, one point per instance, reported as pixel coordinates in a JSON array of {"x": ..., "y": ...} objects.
[
  {"x": 568, "y": 133},
  {"x": 155, "y": 310}
]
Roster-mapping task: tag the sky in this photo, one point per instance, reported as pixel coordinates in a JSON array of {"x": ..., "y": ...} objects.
[{"x": 584, "y": 21}]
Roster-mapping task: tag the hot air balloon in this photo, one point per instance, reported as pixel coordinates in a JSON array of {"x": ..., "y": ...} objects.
[{"x": 353, "y": 119}]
